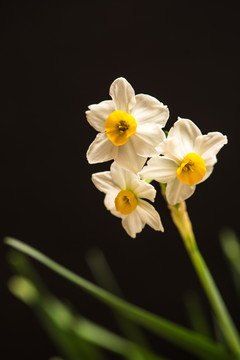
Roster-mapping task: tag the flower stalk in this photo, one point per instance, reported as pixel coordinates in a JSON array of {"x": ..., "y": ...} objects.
[{"x": 182, "y": 221}]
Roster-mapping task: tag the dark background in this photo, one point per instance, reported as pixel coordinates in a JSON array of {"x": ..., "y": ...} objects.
[{"x": 58, "y": 58}]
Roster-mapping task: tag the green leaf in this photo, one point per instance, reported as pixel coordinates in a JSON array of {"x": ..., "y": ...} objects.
[
  {"x": 231, "y": 248},
  {"x": 74, "y": 335},
  {"x": 196, "y": 314},
  {"x": 105, "y": 278},
  {"x": 55, "y": 318},
  {"x": 180, "y": 336}
]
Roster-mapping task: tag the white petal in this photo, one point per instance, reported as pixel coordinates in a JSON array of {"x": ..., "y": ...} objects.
[
  {"x": 128, "y": 159},
  {"x": 186, "y": 132},
  {"x": 101, "y": 149},
  {"x": 144, "y": 190},
  {"x": 172, "y": 148},
  {"x": 113, "y": 209},
  {"x": 122, "y": 94},
  {"x": 208, "y": 173},
  {"x": 109, "y": 202},
  {"x": 103, "y": 182},
  {"x": 149, "y": 109},
  {"x": 209, "y": 145},
  {"x": 133, "y": 223},
  {"x": 178, "y": 191},
  {"x": 121, "y": 176},
  {"x": 147, "y": 138},
  {"x": 160, "y": 169},
  {"x": 98, "y": 114},
  {"x": 124, "y": 178},
  {"x": 149, "y": 215}
]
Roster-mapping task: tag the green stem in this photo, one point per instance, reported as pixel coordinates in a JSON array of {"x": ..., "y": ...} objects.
[{"x": 181, "y": 220}]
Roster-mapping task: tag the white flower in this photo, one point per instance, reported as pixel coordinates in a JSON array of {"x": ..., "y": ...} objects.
[
  {"x": 188, "y": 159},
  {"x": 130, "y": 127},
  {"x": 124, "y": 198}
]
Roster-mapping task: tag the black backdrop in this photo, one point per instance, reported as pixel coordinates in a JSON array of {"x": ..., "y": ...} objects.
[{"x": 58, "y": 58}]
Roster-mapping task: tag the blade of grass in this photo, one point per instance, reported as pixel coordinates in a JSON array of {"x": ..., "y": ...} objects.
[
  {"x": 102, "y": 337},
  {"x": 231, "y": 249},
  {"x": 54, "y": 319},
  {"x": 196, "y": 314},
  {"x": 30, "y": 288},
  {"x": 180, "y": 336},
  {"x": 76, "y": 335},
  {"x": 104, "y": 276}
]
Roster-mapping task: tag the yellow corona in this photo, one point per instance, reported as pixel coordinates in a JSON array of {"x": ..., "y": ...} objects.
[
  {"x": 192, "y": 169},
  {"x": 126, "y": 202},
  {"x": 119, "y": 126}
]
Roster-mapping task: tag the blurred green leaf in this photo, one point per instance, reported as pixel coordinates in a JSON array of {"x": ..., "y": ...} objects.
[
  {"x": 196, "y": 314},
  {"x": 231, "y": 248},
  {"x": 73, "y": 334},
  {"x": 180, "y": 336},
  {"x": 56, "y": 320},
  {"x": 105, "y": 278}
]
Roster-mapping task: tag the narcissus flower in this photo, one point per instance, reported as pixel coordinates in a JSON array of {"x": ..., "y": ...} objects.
[
  {"x": 188, "y": 159},
  {"x": 125, "y": 194},
  {"x": 130, "y": 127}
]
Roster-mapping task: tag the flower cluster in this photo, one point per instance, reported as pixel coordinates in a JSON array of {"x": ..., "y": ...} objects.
[{"x": 130, "y": 132}]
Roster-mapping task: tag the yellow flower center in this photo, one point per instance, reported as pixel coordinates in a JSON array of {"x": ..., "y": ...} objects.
[
  {"x": 119, "y": 126},
  {"x": 192, "y": 169},
  {"x": 125, "y": 202}
]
